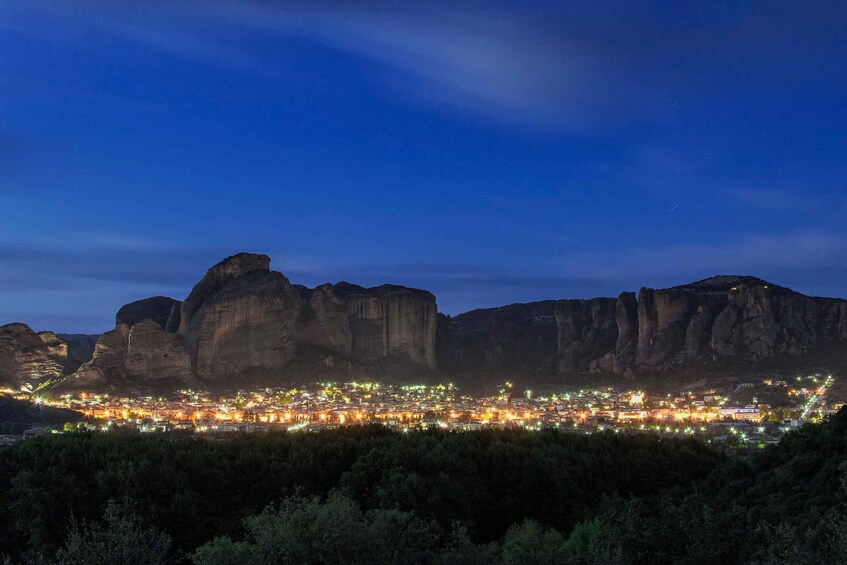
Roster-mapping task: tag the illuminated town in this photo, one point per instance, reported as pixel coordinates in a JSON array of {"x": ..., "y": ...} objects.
[{"x": 754, "y": 413}]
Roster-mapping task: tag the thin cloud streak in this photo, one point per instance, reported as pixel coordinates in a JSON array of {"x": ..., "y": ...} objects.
[
  {"x": 550, "y": 66},
  {"x": 489, "y": 60}
]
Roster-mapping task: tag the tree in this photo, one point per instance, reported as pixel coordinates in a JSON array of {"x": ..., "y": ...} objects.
[
  {"x": 309, "y": 531},
  {"x": 530, "y": 544},
  {"x": 460, "y": 549},
  {"x": 123, "y": 540}
]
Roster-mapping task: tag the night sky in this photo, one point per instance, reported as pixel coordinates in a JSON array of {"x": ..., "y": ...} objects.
[{"x": 487, "y": 152}]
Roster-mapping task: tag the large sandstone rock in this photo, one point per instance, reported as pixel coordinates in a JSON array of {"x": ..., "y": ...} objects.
[
  {"x": 587, "y": 333},
  {"x": 138, "y": 352},
  {"x": 732, "y": 318},
  {"x": 158, "y": 309},
  {"x": 662, "y": 319},
  {"x": 216, "y": 279},
  {"x": 626, "y": 318},
  {"x": 108, "y": 362},
  {"x": 388, "y": 322},
  {"x": 724, "y": 319},
  {"x": 156, "y": 355},
  {"x": 389, "y": 328},
  {"x": 32, "y": 358},
  {"x": 239, "y": 321},
  {"x": 762, "y": 321},
  {"x": 245, "y": 323},
  {"x": 323, "y": 320}
]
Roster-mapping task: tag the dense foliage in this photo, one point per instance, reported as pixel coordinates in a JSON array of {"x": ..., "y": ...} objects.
[{"x": 368, "y": 495}]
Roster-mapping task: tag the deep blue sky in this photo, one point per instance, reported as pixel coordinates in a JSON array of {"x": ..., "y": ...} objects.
[{"x": 484, "y": 151}]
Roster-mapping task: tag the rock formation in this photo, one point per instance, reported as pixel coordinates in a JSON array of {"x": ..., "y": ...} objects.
[
  {"x": 243, "y": 323},
  {"x": 139, "y": 351},
  {"x": 515, "y": 339},
  {"x": 626, "y": 318},
  {"x": 107, "y": 365},
  {"x": 32, "y": 358},
  {"x": 159, "y": 309},
  {"x": 732, "y": 317},
  {"x": 588, "y": 334},
  {"x": 722, "y": 319},
  {"x": 390, "y": 327},
  {"x": 239, "y": 320}
]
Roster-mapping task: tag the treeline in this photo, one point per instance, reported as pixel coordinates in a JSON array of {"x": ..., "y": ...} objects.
[{"x": 368, "y": 495}]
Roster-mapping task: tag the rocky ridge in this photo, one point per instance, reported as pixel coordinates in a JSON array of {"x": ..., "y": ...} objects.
[
  {"x": 519, "y": 339},
  {"x": 28, "y": 358},
  {"x": 391, "y": 327},
  {"x": 243, "y": 323},
  {"x": 722, "y": 319}
]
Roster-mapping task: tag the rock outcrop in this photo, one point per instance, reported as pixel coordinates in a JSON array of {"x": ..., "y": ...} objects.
[
  {"x": 515, "y": 339},
  {"x": 243, "y": 323},
  {"x": 588, "y": 334},
  {"x": 159, "y": 309},
  {"x": 663, "y": 320},
  {"x": 723, "y": 319},
  {"x": 626, "y": 318},
  {"x": 156, "y": 354},
  {"x": 29, "y": 358},
  {"x": 107, "y": 365},
  {"x": 387, "y": 327},
  {"x": 732, "y": 317},
  {"x": 239, "y": 321},
  {"x": 139, "y": 351}
]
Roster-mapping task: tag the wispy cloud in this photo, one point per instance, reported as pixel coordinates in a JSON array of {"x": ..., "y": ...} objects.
[
  {"x": 487, "y": 59},
  {"x": 553, "y": 64},
  {"x": 491, "y": 60}
]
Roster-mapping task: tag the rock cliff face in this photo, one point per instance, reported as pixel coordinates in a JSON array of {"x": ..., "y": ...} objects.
[
  {"x": 245, "y": 323},
  {"x": 515, "y": 339},
  {"x": 663, "y": 318},
  {"x": 139, "y": 351},
  {"x": 626, "y": 318},
  {"x": 153, "y": 353},
  {"x": 722, "y": 319},
  {"x": 389, "y": 327},
  {"x": 587, "y": 332},
  {"x": 107, "y": 365},
  {"x": 732, "y": 317},
  {"x": 27, "y": 357},
  {"x": 159, "y": 309},
  {"x": 239, "y": 321}
]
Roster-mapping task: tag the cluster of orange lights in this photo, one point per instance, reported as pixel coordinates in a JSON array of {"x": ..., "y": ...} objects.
[{"x": 340, "y": 417}]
